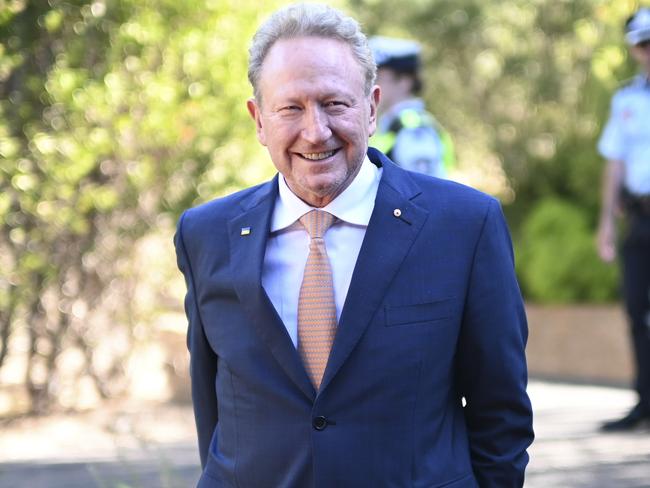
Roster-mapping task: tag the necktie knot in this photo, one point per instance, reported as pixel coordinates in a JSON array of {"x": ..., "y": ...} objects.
[{"x": 317, "y": 222}]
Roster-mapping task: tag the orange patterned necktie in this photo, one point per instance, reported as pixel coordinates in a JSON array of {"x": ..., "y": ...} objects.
[{"x": 316, "y": 307}]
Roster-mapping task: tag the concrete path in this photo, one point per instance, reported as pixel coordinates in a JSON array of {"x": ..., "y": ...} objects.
[
  {"x": 570, "y": 452},
  {"x": 155, "y": 448}
]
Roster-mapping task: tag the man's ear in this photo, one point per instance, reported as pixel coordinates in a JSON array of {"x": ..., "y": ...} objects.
[
  {"x": 254, "y": 110},
  {"x": 375, "y": 96}
]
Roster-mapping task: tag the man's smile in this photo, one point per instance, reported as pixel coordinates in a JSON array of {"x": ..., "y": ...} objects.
[{"x": 318, "y": 156}]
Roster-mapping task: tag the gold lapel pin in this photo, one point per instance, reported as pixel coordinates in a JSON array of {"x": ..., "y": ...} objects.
[{"x": 245, "y": 231}]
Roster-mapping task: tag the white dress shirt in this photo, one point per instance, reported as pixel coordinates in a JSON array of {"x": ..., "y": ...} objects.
[{"x": 287, "y": 247}]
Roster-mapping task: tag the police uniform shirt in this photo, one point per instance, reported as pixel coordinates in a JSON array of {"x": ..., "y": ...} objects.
[
  {"x": 626, "y": 136},
  {"x": 417, "y": 148}
]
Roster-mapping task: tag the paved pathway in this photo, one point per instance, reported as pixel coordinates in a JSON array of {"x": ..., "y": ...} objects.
[
  {"x": 570, "y": 452},
  {"x": 156, "y": 449}
]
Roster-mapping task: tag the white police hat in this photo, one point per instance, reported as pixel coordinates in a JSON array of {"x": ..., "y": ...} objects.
[
  {"x": 637, "y": 28},
  {"x": 397, "y": 54}
]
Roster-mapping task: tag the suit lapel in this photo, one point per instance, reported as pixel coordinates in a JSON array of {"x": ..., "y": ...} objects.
[
  {"x": 248, "y": 235},
  {"x": 393, "y": 227}
]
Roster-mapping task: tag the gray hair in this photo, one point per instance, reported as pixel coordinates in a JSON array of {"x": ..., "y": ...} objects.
[{"x": 310, "y": 20}]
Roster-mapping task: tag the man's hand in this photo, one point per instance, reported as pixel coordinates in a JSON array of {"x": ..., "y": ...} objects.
[
  {"x": 612, "y": 183},
  {"x": 606, "y": 241}
]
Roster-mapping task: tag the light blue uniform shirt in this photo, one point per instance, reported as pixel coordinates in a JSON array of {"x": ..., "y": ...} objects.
[
  {"x": 416, "y": 148},
  {"x": 626, "y": 136}
]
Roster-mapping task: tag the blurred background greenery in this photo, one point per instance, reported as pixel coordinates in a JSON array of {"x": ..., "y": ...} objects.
[{"x": 115, "y": 115}]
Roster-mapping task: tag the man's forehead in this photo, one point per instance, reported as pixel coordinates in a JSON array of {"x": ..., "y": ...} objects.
[
  {"x": 310, "y": 57},
  {"x": 321, "y": 87},
  {"x": 324, "y": 90}
]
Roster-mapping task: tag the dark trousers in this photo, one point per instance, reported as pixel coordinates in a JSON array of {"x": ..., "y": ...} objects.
[{"x": 636, "y": 292}]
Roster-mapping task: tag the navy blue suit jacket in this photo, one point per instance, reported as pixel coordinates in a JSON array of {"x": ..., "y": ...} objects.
[{"x": 433, "y": 315}]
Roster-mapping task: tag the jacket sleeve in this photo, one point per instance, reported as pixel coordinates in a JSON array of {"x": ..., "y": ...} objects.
[
  {"x": 203, "y": 360},
  {"x": 491, "y": 368}
]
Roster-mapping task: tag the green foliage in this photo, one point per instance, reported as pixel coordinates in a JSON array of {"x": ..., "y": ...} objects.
[
  {"x": 556, "y": 256},
  {"x": 114, "y": 117},
  {"x": 523, "y": 87},
  {"x": 523, "y": 83}
]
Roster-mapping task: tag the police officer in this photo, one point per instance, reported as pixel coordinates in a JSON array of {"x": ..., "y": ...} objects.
[
  {"x": 406, "y": 132},
  {"x": 625, "y": 143}
]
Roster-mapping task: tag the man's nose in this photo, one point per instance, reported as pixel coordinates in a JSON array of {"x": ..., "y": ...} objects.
[{"x": 316, "y": 128}]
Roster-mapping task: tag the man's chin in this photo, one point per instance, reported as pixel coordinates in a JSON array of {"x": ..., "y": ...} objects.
[{"x": 319, "y": 191}]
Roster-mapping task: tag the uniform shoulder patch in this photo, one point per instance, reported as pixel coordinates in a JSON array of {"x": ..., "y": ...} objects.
[{"x": 627, "y": 83}]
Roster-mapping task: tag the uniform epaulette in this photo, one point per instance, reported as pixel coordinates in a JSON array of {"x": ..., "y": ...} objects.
[
  {"x": 638, "y": 81},
  {"x": 626, "y": 83}
]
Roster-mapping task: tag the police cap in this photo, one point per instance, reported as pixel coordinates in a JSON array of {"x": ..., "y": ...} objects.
[
  {"x": 637, "y": 28},
  {"x": 398, "y": 54}
]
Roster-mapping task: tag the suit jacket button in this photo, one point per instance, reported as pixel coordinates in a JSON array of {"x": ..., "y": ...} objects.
[{"x": 319, "y": 423}]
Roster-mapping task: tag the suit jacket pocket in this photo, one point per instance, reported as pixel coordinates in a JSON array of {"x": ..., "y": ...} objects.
[{"x": 419, "y": 313}]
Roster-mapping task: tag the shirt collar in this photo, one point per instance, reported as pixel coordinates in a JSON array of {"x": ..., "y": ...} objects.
[{"x": 353, "y": 206}]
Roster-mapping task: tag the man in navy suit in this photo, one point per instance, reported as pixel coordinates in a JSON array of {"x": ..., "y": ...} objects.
[{"x": 424, "y": 379}]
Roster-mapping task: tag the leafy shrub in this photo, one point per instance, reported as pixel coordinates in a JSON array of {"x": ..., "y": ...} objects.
[{"x": 557, "y": 259}]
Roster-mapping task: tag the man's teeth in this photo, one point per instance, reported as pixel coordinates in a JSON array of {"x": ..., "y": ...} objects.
[{"x": 317, "y": 156}]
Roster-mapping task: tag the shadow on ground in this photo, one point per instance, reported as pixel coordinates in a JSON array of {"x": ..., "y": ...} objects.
[
  {"x": 175, "y": 466},
  {"x": 156, "y": 447}
]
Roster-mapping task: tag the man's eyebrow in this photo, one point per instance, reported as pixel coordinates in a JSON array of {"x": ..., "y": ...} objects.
[{"x": 333, "y": 94}]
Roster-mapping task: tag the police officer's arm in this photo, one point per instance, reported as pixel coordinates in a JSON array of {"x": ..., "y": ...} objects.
[{"x": 612, "y": 181}]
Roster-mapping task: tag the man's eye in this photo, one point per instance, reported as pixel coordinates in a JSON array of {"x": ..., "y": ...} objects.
[
  {"x": 290, "y": 108},
  {"x": 335, "y": 103}
]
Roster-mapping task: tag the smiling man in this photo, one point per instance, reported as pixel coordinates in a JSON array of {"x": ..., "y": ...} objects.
[
  {"x": 314, "y": 115},
  {"x": 351, "y": 324}
]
